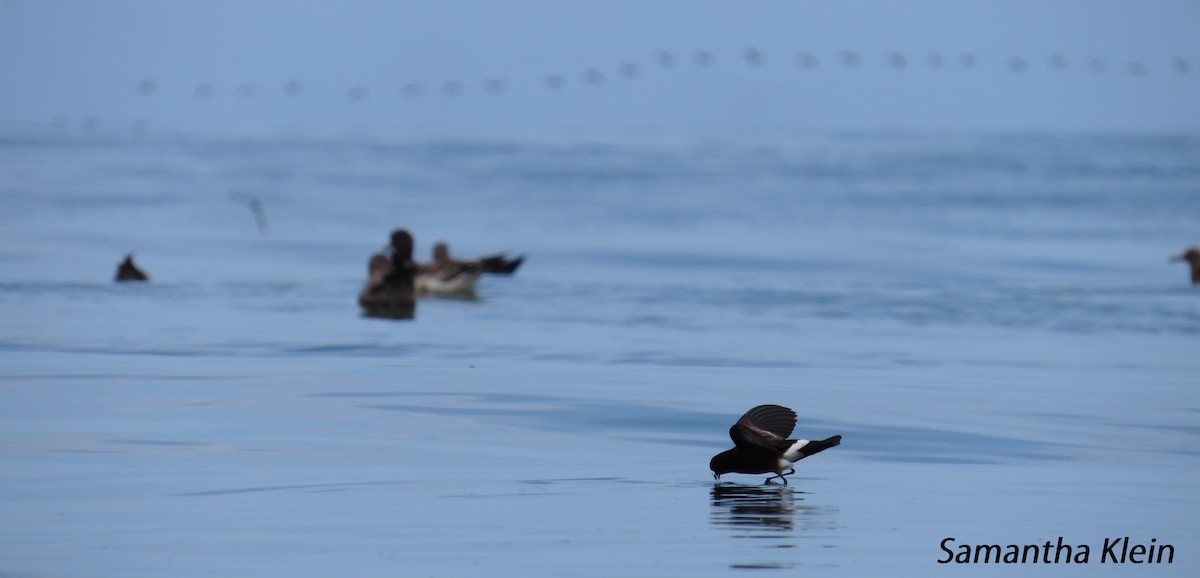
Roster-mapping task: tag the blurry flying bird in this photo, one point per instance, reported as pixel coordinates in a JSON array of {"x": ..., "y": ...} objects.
[{"x": 256, "y": 206}]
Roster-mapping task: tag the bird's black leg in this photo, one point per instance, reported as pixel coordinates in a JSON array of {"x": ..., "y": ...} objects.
[{"x": 781, "y": 476}]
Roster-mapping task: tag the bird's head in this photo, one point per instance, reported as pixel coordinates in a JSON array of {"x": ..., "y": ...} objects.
[{"x": 720, "y": 464}]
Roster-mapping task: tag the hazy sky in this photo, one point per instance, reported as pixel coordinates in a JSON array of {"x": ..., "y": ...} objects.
[{"x": 563, "y": 67}]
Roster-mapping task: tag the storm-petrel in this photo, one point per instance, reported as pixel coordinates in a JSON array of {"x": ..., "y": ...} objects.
[{"x": 761, "y": 445}]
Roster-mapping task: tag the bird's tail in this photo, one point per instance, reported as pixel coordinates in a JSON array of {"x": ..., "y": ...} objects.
[{"x": 818, "y": 446}]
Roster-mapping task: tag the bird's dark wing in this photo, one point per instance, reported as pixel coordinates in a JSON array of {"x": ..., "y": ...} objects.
[
  {"x": 771, "y": 421},
  {"x": 747, "y": 439}
]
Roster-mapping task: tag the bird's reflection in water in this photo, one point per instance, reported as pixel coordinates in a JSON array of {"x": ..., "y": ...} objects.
[
  {"x": 757, "y": 510},
  {"x": 775, "y": 516}
]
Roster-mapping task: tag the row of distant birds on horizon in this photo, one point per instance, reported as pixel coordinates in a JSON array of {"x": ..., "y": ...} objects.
[{"x": 665, "y": 60}]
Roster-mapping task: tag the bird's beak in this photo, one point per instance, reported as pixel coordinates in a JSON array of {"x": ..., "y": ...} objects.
[{"x": 716, "y": 476}]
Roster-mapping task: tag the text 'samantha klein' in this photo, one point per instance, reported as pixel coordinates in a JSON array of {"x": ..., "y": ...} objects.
[{"x": 1120, "y": 550}]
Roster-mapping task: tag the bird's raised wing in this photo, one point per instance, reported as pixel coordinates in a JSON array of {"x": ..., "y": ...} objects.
[
  {"x": 747, "y": 439},
  {"x": 772, "y": 422}
]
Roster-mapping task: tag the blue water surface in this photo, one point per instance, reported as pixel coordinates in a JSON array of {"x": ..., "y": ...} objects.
[{"x": 990, "y": 321}]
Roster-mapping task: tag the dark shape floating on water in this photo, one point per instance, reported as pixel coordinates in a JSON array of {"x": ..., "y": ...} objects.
[
  {"x": 128, "y": 271},
  {"x": 1192, "y": 257},
  {"x": 761, "y": 445},
  {"x": 451, "y": 277},
  {"x": 390, "y": 291}
]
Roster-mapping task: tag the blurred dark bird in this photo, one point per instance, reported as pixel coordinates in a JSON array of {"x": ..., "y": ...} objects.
[
  {"x": 1058, "y": 61},
  {"x": 446, "y": 276},
  {"x": 629, "y": 70},
  {"x": 1182, "y": 65},
  {"x": 850, "y": 58},
  {"x": 593, "y": 76},
  {"x": 665, "y": 59},
  {"x": 702, "y": 58},
  {"x": 934, "y": 59},
  {"x": 555, "y": 81},
  {"x": 806, "y": 60},
  {"x": 203, "y": 90},
  {"x": 897, "y": 60},
  {"x": 256, "y": 207},
  {"x": 412, "y": 90},
  {"x": 1098, "y": 65},
  {"x": 1192, "y": 257},
  {"x": 1137, "y": 68},
  {"x": 247, "y": 91},
  {"x": 493, "y": 86},
  {"x": 128, "y": 271},
  {"x": 147, "y": 87},
  {"x": 293, "y": 87},
  {"x": 967, "y": 60},
  {"x": 1017, "y": 64},
  {"x": 390, "y": 290},
  {"x": 357, "y": 92},
  {"x": 753, "y": 56},
  {"x": 760, "y": 445},
  {"x": 452, "y": 88}
]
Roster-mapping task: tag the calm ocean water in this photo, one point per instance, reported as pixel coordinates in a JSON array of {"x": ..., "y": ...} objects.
[{"x": 991, "y": 321}]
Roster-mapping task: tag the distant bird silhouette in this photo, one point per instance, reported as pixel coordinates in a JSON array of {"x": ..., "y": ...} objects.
[
  {"x": 128, "y": 271},
  {"x": 702, "y": 58},
  {"x": 204, "y": 90},
  {"x": 1192, "y": 257},
  {"x": 665, "y": 59},
  {"x": 967, "y": 60},
  {"x": 593, "y": 76},
  {"x": 1058, "y": 61},
  {"x": 147, "y": 87},
  {"x": 256, "y": 207},
  {"x": 806, "y": 60},
  {"x": 1137, "y": 68},
  {"x": 555, "y": 81},
  {"x": 246, "y": 91},
  {"x": 761, "y": 445},
  {"x": 1017, "y": 64},
  {"x": 357, "y": 92},
  {"x": 629, "y": 70},
  {"x": 850, "y": 58},
  {"x": 753, "y": 56},
  {"x": 1182, "y": 65},
  {"x": 493, "y": 86},
  {"x": 1098, "y": 65},
  {"x": 293, "y": 87},
  {"x": 452, "y": 88},
  {"x": 897, "y": 60}
]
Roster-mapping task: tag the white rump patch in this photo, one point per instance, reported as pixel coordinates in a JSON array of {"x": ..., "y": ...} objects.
[{"x": 793, "y": 453}]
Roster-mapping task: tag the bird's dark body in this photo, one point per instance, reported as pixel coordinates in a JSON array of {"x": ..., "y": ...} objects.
[{"x": 761, "y": 444}]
